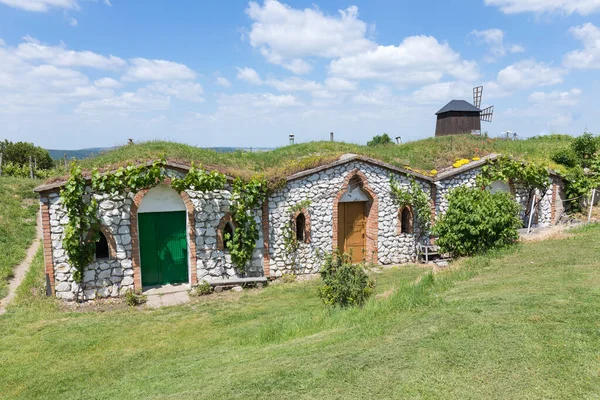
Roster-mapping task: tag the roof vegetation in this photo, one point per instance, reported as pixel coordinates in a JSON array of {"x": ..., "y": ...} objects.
[{"x": 427, "y": 156}]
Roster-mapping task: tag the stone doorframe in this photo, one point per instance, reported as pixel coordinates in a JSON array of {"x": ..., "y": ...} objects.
[
  {"x": 135, "y": 239},
  {"x": 372, "y": 213}
]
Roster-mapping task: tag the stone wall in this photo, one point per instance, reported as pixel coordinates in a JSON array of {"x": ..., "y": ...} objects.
[
  {"x": 444, "y": 186},
  {"x": 113, "y": 276},
  {"x": 321, "y": 189}
]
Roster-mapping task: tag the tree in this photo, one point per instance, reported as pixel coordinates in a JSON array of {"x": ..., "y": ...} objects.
[
  {"x": 18, "y": 153},
  {"x": 379, "y": 140}
]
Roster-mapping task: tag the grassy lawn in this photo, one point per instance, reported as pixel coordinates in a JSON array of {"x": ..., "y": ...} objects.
[
  {"x": 522, "y": 323},
  {"x": 423, "y": 155},
  {"x": 18, "y": 207}
]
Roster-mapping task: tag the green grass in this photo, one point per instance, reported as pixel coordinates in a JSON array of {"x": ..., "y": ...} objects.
[
  {"x": 18, "y": 207},
  {"x": 423, "y": 155},
  {"x": 520, "y": 323}
]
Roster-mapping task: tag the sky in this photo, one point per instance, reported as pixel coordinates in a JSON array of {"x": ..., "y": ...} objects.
[{"x": 93, "y": 73}]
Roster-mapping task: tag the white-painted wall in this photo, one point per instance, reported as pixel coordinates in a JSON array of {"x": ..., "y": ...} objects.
[{"x": 161, "y": 198}]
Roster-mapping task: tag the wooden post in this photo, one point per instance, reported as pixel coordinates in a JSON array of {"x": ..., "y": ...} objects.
[
  {"x": 592, "y": 204},
  {"x": 531, "y": 215},
  {"x": 65, "y": 161},
  {"x": 0, "y": 164},
  {"x": 30, "y": 167}
]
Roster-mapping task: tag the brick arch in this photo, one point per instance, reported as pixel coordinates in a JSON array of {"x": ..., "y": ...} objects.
[
  {"x": 304, "y": 211},
  {"x": 110, "y": 239},
  {"x": 411, "y": 220},
  {"x": 372, "y": 232},
  {"x": 135, "y": 240},
  {"x": 226, "y": 219}
]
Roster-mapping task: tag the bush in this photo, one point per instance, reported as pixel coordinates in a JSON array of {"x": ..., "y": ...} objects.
[
  {"x": 380, "y": 139},
  {"x": 477, "y": 221},
  {"x": 586, "y": 146},
  {"x": 202, "y": 289},
  {"x": 566, "y": 157},
  {"x": 344, "y": 284},
  {"x": 134, "y": 299}
]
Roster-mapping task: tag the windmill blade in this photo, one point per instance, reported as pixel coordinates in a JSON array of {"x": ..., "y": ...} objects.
[
  {"x": 486, "y": 114},
  {"x": 477, "y": 93}
]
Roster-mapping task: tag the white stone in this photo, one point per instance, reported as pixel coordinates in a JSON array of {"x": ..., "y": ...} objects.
[{"x": 127, "y": 281}]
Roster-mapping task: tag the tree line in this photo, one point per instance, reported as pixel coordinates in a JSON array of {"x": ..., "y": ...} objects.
[{"x": 22, "y": 159}]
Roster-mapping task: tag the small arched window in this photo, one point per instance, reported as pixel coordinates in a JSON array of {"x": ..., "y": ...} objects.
[
  {"x": 406, "y": 220},
  {"x": 102, "y": 249},
  {"x": 300, "y": 227},
  {"x": 228, "y": 230}
]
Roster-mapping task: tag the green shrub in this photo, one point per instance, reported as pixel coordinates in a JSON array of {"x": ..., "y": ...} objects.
[
  {"x": 586, "y": 146},
  {"x": 134, "y": 299},
  {"x": 342, "y": 283},
  {"x": 202, "y": 289},
  {"x": 379, "y": 140},
  {"x": 566, "y": 157},
  {"x": 477, "y": 221}
]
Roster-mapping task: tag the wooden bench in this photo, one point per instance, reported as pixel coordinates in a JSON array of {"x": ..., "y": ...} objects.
[{"x": 428, "y": 250}]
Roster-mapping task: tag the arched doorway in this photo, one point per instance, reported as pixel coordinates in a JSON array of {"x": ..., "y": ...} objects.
[{"x": 163, "y": 242}]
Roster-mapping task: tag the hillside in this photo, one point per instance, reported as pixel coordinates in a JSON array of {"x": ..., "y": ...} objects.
[
  {"x": 424, "y": 155},
  {"x": 18, "y": 207}
]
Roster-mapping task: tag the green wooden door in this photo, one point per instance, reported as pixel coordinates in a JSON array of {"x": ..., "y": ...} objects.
[{"x": 163, "y": 248}]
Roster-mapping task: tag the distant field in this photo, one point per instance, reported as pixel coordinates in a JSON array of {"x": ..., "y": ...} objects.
[
  {"x": 520, "y": 324},
  {"x": 18, "y": 208},
  {"x": 424, "y": 155}
]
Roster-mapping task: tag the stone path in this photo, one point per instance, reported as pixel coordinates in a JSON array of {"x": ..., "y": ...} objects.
[
  {"x": 167, "y": 295},
  {"x": 21, "y": 269}
]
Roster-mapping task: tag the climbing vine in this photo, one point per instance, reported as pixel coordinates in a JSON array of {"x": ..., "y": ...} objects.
[
  {"x": 246, "y": 196},
  {"x": 81, "y": 231},
  {"x": 288, "y": 233},
  {"x": 506, "y": 169},
  {"x": 417, "y": 199}
]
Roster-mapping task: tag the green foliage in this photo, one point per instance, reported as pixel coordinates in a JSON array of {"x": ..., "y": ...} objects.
[
  {"x": 418, "y": 200},
  {"x": 506, "y": 169},
  {"x": 133, "y": 299},
  {"x": 477, "y": 221},
  {"x": 202, "y": 289},
  {"x": 586, "y": 146},
  {"x": 288, "y": 233},
  {"x": 379, "y": 140},
  {"x": 200, "y": 180},
  {"x": 342, "y": 283},
  {"x": 81, "y": 232},
  {"x": 288, "y": 278},
  {"x": 18, "y": 153},
  {"x": 246, "y": 196},
  {"x": 566, "y": 156}
]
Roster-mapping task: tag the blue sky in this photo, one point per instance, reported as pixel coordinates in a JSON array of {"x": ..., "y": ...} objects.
[{"x": 83, "y": 73}]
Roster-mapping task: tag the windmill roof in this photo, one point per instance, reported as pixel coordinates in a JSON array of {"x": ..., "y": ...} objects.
[{"x": 458, "y": 105}]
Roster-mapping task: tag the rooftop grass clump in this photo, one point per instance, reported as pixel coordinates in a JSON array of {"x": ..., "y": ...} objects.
[{"x": 426, "y": 156}]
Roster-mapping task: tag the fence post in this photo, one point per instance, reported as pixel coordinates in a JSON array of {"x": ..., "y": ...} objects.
[
  {"x": 30, "y": 167},
  {"x": 0, "y": 164},
  {"x": 592, "y": 204}
]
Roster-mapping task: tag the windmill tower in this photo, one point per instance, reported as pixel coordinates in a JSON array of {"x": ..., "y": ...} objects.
[{"x": 460, "y": 116}]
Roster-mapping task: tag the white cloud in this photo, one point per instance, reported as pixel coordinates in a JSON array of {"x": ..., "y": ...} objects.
[
  {"x": 443, "y": 92},
  {"x": 249, "y": 105},
  {"x": 294, "y": 84},
  {"x": 556, "y": 98},
  {"x": 73, "y": 22},
  {"x": 142, "y": 69},
  {"x": 41, "y": 5},
  {"x": 107, "y": 83},
  {"x": 529, "y": 73},
  {"x": 189, "y": 91},
  {"x": 336, "y": 84},
  {"x": 285, "y": 35},
  {"x": 126, "y": 102},
  {"x": 249, "y": 75},
  {"x": 494, "y": 38},
  {"x": 32, "y": 50},
  {"x": 417, "y": 60},
  {"x": 222, "y": 82},
  {"x": 567, "y": 7},
  {"x": 589, "y": 56}
]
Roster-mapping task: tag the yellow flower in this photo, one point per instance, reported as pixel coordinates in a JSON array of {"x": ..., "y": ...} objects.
[
  {"x": 433, "y": 172},
  {"x": 476, "y": 158},
  {"x": 460, "y": 163}
]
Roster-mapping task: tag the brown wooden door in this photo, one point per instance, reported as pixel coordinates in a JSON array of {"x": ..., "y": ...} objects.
[{"x": 352, "y": 229}]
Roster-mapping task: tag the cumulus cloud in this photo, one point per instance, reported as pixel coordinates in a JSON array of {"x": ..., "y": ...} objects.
[
  {"x": 141, "y": 100},
  {"x": 337, "y": 84},
  {"x": 33, "y": 50},
  {"x": 222, "y": 82},
  {"x": 529, "y": 73},
  {"x": 589, "y": 56},
  {"x": 566, "y": 7},
  {"x": 285, "y": 36},
  {"x": 294, "y": 84},
  {"x": 556, "y": 98},
  {"x": 142, "y": 69},
  {"x": 249, "y": 75},
  {"x": 417, "y": 60},
  {"x": 107, "y": 83},
  {"x": 41, "y": 5},
  {"x": 189, "y": 91},
  {"x": 494, "y": 38}
]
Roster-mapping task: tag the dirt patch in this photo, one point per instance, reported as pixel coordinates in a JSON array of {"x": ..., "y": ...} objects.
[{"x": 552, "y": 232}]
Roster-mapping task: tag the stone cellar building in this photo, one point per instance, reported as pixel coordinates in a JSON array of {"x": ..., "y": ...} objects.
[{"x": 159, "y": 236}]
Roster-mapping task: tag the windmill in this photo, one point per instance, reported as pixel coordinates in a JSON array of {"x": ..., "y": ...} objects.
[{"x": 460, "y": 116}]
